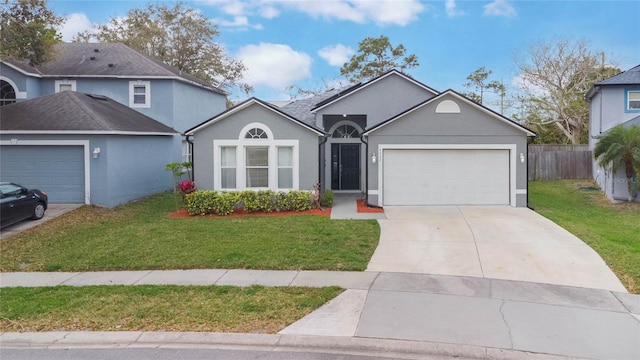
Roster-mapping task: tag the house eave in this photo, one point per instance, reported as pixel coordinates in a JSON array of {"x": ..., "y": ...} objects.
[
  {"x": 132, "y": 77},
  {"x": 84, "y": 132}
]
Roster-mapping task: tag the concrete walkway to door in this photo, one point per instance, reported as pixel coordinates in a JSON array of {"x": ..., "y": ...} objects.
[{"x": 497, "y": 242}]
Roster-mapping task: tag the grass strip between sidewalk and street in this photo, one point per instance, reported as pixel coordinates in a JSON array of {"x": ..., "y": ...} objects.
[
  {"x": 612, "y": 230},
  {"x": 142, "y": 236},
  {"x": 254, "y": 309}
]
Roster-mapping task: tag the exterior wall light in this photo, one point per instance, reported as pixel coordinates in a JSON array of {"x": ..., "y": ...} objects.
[
  {"x": 522, "y": 158},
  {"x": 373, "y": 158},
  {"x": 96, "y": 152}
]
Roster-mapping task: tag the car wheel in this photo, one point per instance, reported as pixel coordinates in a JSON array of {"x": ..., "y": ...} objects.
[{"x": 38, "y": 211}]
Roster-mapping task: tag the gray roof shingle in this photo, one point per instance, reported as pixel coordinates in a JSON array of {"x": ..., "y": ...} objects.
[
  {"x": 106, "y": 60},
  {"x": 77, "y": 112},
  {"x": 301, "y": 109},
  {"x": 629, "y": 77}
]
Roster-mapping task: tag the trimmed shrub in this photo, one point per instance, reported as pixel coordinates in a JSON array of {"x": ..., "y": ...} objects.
[
  {"x": 293, "y": 201},
  {"x": 262, "y": 200},
  {"x": 200, "y": 202},
  {"x": 327, "y": 198},
  {"x": 226, "y": 202}
]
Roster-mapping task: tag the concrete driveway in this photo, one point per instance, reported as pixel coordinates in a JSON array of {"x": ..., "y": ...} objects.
[
  {"x": 496, "y": 242},
  {"x": 53, "y": 211}
]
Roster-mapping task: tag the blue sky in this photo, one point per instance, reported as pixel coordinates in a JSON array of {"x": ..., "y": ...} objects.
[{"x": 306, "y": 42}]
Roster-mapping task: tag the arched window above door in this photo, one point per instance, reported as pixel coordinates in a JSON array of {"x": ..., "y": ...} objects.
[
  {"x": 345, "y": 132},
  {"x": 7, "y": 93}
]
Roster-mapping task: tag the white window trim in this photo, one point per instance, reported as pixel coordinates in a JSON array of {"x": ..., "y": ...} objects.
[
  {"x": 65, "y": 82},
  {"x": 278, "y": 166},
  {"x": 241, "y": 170},
  {"x": 147, "y": 94},
  {"x": 628, "y": 107}
]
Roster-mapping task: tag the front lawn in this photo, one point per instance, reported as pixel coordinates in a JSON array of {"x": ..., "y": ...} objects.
[
  {"x": 613, "y": 230},
  {"x": 142, "y": 235},
  {"x": 255, "y": 309}
]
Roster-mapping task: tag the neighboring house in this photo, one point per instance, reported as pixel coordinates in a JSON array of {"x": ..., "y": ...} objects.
[
  {"x": 143, "y": 85},
  {"x": 392, "y": 138},
  {"x": 82, "y": 148},
  {"x": 612, "y": 102}
]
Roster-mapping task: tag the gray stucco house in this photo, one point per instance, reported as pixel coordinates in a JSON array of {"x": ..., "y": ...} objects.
[
  {"x": 612, "y": 102},
  {"x": 155, "y": 103},
  {"x": 392, "y": 138}
]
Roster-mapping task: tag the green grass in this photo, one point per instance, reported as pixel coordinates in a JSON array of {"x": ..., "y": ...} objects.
[
  {"x": 255, "y": 309},
  {"x": 613, "y": 230},
  {"x": 142, "y": 235}
]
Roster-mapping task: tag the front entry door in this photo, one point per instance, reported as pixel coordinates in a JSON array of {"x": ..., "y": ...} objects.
[{"x": 345, "y": 166}]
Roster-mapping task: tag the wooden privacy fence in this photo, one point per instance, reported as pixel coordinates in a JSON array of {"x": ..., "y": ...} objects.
[{"x": 553, "y": 162}]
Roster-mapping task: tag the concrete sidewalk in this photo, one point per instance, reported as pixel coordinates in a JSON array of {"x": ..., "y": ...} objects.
[{"x": 444, "y": 314}]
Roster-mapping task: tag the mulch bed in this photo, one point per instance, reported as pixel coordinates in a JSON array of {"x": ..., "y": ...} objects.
[
  {"x": 363, "y": 208},
  {"x": 182, "y": 213}
]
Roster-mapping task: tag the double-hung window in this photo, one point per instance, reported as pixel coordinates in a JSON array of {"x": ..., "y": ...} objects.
[
  {"x": 255, "y": 160},
  {"x": 633, "y": 100},
  {"x": 257, "y": 166},
  {"x": 65, "y": 85},
  {"x": 228, "y": 167},
  {"x": 285, "y": 167},
  {"x": 140, "y": 94}
]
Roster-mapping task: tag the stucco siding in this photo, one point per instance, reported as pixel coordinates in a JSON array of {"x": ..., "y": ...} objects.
[
  {"x": 193, "y": 105},
  {"x": 468, "y": 128},
  {"x": 127, "y": 168},
  {"x": 230, "y": 128},
  {"x": 379, "y": 101}
]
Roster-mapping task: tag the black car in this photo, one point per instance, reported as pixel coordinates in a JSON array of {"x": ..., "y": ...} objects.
[{"x": 19, "y": 203}]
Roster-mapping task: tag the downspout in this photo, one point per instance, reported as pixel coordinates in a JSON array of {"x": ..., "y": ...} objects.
[
  {"x": 325, "y": 137},
  {"x": 366, "y": 174},
  {"x": 193, "y": 165}
]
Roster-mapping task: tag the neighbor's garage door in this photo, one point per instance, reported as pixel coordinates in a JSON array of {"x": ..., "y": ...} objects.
[
  {"x": 446, "y": 177},
  {"x": 56, "y": 170}
]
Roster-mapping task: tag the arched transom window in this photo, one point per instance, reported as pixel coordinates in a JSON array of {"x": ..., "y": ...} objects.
[
  {"x": 256, "y": 133},
  {"x": 345, "y": 132},
  {"x": 7, "y": 93}
]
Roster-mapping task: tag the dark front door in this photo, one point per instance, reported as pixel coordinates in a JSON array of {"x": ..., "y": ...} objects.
[{"x": 345, "y": 166}]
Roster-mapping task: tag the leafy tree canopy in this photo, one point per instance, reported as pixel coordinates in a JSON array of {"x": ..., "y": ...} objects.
[
  {"x": 177, "y": 35},
  {"x": 555, "y": 77},
  {"x": 28, "y": 31},
  {"x": 376, "y": 56}
]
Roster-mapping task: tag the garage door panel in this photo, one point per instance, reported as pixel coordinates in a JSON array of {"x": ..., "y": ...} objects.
[
  {"x": 57, "y": 170},
  {"x": 445, "y": 177}
]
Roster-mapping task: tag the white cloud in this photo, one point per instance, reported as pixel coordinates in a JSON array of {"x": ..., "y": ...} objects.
[
  {"x": 499, "y": 8},
  {"x": 274, "y": 65},
  {"x": 336, "y": 55},
  {"x": 269, "y": 12},
  {"x": 382, "y": 12},
  {"x": 75, "y": 23},
  {"x": 450, "y": 8}
]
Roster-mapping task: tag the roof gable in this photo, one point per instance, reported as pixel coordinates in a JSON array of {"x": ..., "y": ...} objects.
[
  {"x": 74, "y": 112},
  {"x": 360, "y": 86},
  {"x": 459, "y": 97},
  {"x": 245, "y": 104},
  {"x": 105, "y": 60}
]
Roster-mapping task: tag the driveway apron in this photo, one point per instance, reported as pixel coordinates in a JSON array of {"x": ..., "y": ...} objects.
[{"x": 498, "y": 242}]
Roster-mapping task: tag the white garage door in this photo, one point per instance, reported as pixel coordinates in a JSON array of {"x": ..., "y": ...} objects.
[
  {"x": 445, "y": 177},
  {"x": 56, "y": 170}
]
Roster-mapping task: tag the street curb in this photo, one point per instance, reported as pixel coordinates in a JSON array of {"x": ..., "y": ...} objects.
[{"x": 272, "y": 342}]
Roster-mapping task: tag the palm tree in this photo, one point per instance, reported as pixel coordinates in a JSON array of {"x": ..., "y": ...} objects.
[{"x": 620, "y": 147}]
